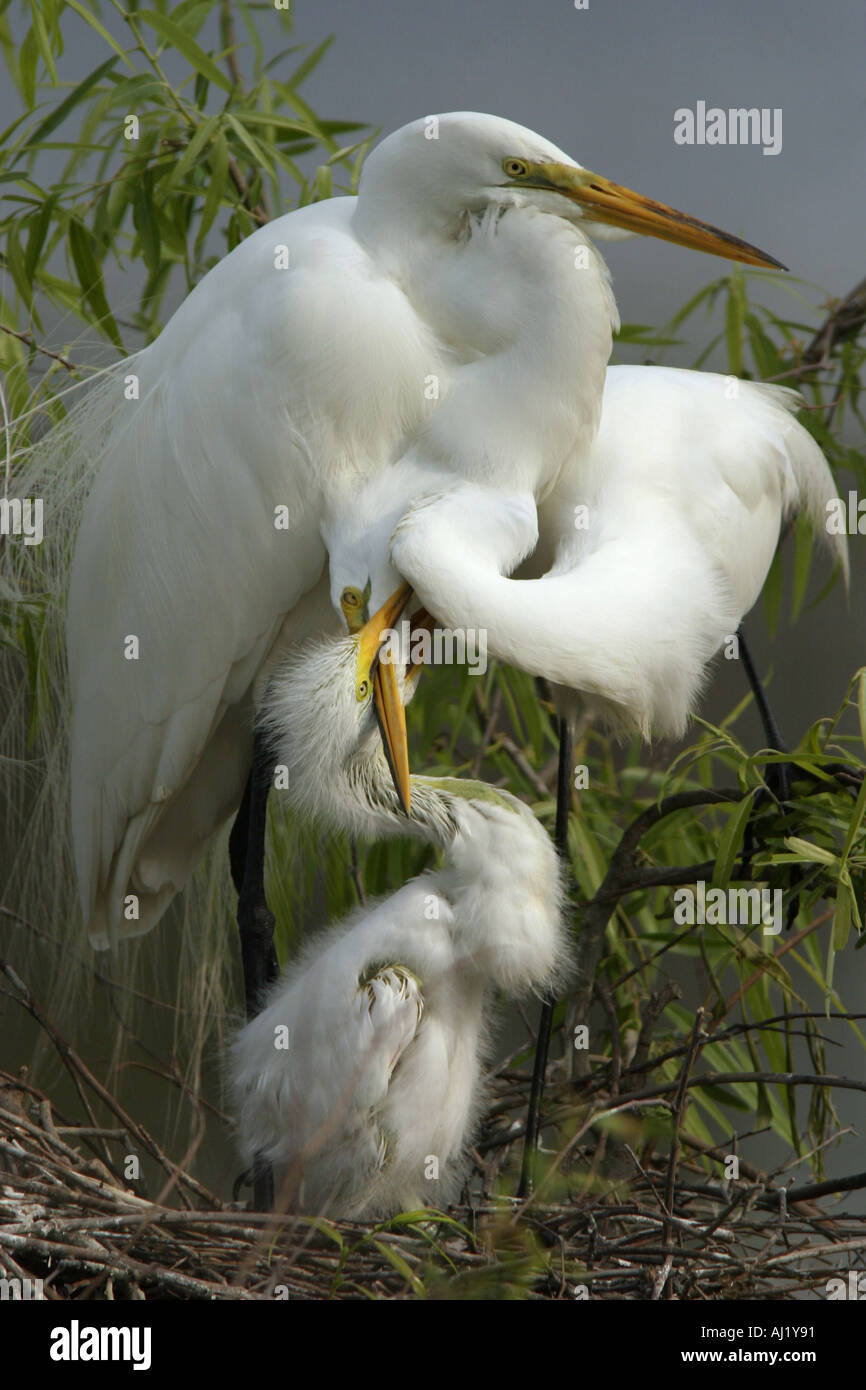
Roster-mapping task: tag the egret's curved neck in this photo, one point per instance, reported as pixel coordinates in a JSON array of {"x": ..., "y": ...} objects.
[
  {"x": 352, "y": 790},
  {"x": 331, "y": 755},
  {"x": 524, "y": 620},
  {"x": 522, "y": 302},
  {"x": 361, "y": 800}
]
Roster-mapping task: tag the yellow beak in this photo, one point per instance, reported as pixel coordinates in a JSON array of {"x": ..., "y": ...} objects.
[
  {"x": 609, "y": 202},
  {"x": 387, "y": 701}
]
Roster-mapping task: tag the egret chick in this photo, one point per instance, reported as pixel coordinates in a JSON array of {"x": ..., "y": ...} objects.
[{"x": 360, "y": 1080}]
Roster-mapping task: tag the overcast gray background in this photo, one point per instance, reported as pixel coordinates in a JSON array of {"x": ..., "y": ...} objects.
[{"x": 604, "y": 83}]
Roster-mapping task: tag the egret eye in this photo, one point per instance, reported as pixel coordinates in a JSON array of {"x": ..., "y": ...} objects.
[
  {"x": 353, "y": 602},
  {"x": 515, "y": 168},
  {"x": 363, "y": 689}
]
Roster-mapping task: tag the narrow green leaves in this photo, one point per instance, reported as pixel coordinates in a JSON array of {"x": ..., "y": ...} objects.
[
  {"x": 82, "y": 249},
  {"x": 172, "y": 33},
  {"x": 69, "y": 103},
  {"x": 99, "y": 28}
]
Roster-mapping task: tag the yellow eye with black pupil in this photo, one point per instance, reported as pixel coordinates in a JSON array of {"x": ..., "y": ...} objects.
[
  {"x": 515, "y": 168},
  {"x": 351, "y": 598},
  {"x": 363, "y": 689}
]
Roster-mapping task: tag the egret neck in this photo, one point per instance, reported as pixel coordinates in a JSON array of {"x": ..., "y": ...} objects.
[{"x": 522, "y": 301}]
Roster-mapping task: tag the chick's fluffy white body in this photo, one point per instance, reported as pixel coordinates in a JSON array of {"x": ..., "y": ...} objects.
[{"x": 361, "y": 1078}]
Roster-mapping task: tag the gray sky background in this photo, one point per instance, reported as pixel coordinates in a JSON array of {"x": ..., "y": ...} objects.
[{"x": 604, "y": 84}]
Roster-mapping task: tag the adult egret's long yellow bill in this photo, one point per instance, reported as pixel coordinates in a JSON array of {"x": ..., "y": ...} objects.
[
  {"x": 391, "y": 710},
  {"x": 387, "y": 697},
  {"x": 391, "y": 716},
  {"x": 604, "y": 201}
]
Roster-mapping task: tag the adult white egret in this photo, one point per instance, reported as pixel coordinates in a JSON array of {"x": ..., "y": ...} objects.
[
  {"x": 655, "y": 542},
  {"x": 360, "y": 1079},
  {"x": 454, "y": 321}
]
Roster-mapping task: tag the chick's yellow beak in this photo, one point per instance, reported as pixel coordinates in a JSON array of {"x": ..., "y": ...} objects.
[{"x": 604, "y": 201}]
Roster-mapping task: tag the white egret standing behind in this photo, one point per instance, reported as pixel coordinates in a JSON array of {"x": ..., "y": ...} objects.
[{"x": 656, "y": 543}]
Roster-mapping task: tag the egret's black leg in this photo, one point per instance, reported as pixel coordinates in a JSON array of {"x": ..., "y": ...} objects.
[
  {"x": 778, "y": 774},
  {"x": 238, "y": 836},
  {"x": 247, "y": 856},
  {"x": 545, "y": 1022},
  {"x": 255, "y": 919}
]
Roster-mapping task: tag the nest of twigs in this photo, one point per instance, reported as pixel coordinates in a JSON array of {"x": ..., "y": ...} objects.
[{"x": 604, "y": 1221}]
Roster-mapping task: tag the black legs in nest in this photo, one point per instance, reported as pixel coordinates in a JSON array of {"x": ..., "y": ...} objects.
[{"x": 255, "y": 919}]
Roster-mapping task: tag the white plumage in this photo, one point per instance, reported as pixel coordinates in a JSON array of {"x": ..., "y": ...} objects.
[
  {"x": 454, "y": 322},
  {"x": 294, "y": 371},
  {"x": 652, "y": 546},
  {"x": 369, "y": 1107}
]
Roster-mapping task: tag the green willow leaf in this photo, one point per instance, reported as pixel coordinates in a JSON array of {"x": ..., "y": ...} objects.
[
  {"x": 83, "y": 252},
  {"x": 62, "y": 110},
  {"x": 16, "y": 265},
  {"x": 734, "y": 321},
  {"x": 100, "y": 29},
  {"x": 217, "y": 187},
  {"x": 38, "y": 230},
  {"x": 264, "y": 118},
  {"x": 43, "y": 42},
  {"x": 401, "y": 1265},
  {"x": 312, "y": 60},
  {"x": 190, "y": 15},
  {"x": 28, "y": 59},
  {"x": 146, "y": 223},
  {"x": 257, "y": 152},
  {"x": 767, "y": 359},
  {"x": 188, "y": 48},
  {"x": 199, "y": 142},
  {"x": 731, "y": 839}
]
